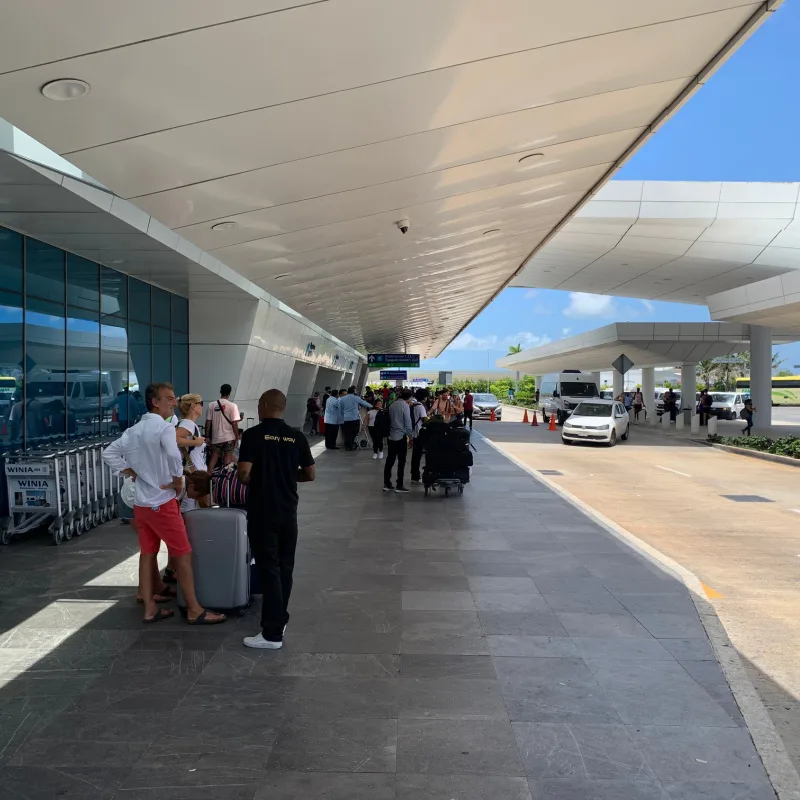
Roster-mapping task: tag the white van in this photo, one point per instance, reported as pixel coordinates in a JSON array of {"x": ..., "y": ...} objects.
[
  {"x": 562, "y": 391},
  {"x": 659, "y": 398},
  {"x": 727, "y": 405}
]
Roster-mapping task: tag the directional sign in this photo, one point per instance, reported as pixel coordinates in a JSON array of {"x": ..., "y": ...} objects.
[
  {"x": 727, "y": 360},
  {"x": 622, "y": 364},
  {"x": 389, "y": 360},
  {"x": 394, "y": 375}
]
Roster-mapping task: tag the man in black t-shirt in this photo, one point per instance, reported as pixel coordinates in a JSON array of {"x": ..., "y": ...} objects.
[{"x": 273, "y": 457}]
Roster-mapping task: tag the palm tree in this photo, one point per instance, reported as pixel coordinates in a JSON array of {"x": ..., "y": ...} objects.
[
  {"x": 513, "y": 349},
  {"x": 705, "y": 369}
]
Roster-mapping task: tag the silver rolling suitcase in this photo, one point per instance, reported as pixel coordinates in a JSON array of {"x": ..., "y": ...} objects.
[{"x": 220, "y": 558}]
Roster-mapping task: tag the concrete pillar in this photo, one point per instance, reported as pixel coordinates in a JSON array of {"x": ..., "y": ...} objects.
[
  {"x": 761, "y": 374},
  {"x": 688, "y": 385},
  {"x": 596, "y": 379},
  {"x": 649, "y": 391},
  {"x": 538, "y": 379},
  {"x": 301, "y": 385},
  {"x": 618, "y": 382}
]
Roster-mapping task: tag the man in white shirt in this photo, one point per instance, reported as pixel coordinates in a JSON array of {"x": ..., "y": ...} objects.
[
  {"x": 418, "y": 415},
  {"x": 223, "y": 420},
  {"x": 332, "y": 421},
  {"x": 148, "y": 453}
]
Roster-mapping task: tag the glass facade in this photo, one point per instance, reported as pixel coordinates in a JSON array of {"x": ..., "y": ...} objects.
[{"x": 78, "y": 344}]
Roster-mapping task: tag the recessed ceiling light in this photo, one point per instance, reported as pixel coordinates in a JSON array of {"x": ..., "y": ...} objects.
[
  {"x": 531, "y": 155},
  {"x": 65, "y": 89},
  {"x": 224, "y": 226},
  {"x": 491, "y": 230}
]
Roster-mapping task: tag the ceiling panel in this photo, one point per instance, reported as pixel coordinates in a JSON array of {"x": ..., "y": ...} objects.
[{"x": 314, "y": 128}]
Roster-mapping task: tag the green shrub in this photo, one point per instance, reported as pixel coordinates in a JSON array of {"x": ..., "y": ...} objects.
[{"x": 784, "y": 446}]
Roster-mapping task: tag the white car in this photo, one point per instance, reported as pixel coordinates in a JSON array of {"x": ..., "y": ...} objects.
[
  {"x": 597, "y": 421},
  {"x": 727, "y": 405}
]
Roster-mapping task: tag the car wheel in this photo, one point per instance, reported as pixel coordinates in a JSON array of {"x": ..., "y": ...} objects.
[
  {"x": 613, "y": 440},
  {"x": 626, "y": 434},
  {"x": 565, "y": 441}
]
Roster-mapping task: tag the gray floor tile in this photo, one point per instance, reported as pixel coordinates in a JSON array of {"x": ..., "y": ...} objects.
[
  {"x": 621, "y": 648},
  {"x": 584, "y": 789},
  {"x": 437, "y": 666},
  {"x": 532, "y": 646},
  {"x": 460, "y": 787},
  {"x": 513, "y": 602},
  {"x": 718, "y": 791},
  {"x": 696, "y": 649},
  {"x": 667, "y": 626},
  {"x": 326, "y": 786},
  {"x": 335, "y": 745},
  {"x": 231, "y": 665},
  {"x": 553, "y": 690},
  {"x": 588, "y": 602},
  {"x": 437, "y": 601},
  {"x": 451, "y": 698},
  {"x": 452, "y": 747},
  {"x": 339, "y": 642},
  {"x": 480, "y": 583},
  {"x": 658, "y": 604},
  {"x": 536, "y": 623},
  {"x": 658, "y": 693},
  {"x": 693, "y": 753},
  {"x": 443, "y": 632},
  {"x": 426, "y": 583},
  {"x": 596, "y": 752},
  {"x": 583, "y": 624},
  {"x": 65, "y": 782},
  {"x": 409, "y": 566},
  {"x": 496, "y": 570}
]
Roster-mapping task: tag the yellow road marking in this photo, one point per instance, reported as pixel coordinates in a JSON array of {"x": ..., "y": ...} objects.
[{"x": 711, "y": 594}]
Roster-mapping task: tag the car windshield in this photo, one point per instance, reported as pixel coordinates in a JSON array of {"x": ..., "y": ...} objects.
[
  {"x": 484, "y": 398},
  {"x": 593, "y": 410},
  {"x": 722, "y": 398},
  {"x": 575, "y": 389}
]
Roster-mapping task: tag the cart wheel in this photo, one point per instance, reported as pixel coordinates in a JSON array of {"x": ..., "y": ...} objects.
[
  {"x": 58, "y": 535},
  {"x": 67, "y": 531},
  {"x": 363, "y": 444},
  {"x": 6, "y": 536},
  {"x": 461, "y": 490},
  {"x": 104, "y": 516},
  {"x": 114, "y": 512}
]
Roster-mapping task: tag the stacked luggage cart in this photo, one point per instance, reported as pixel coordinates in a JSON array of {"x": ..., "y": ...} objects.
[
  {"x": 68, "y": 489},
  {"x": 447, "y": 457}
]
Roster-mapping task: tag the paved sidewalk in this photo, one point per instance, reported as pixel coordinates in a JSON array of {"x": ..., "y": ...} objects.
[{"x": 494, "y": 646}]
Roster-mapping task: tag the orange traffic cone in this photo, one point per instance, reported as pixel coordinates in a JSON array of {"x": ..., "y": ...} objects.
[
  {"x": 321, "y": 427},
  {"x": 535, "y": 423},
  {"x": 525, "y": 417},
  {"x": 491, "y": 416},
  {"x": 552, "y": 422}
]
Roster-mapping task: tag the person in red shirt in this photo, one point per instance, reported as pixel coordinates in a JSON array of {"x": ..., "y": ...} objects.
[
  {"x": 469, "y": 404},
  {"x": 385, "y": 393}
]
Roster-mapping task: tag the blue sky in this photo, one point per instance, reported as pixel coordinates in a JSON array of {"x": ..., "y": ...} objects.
[{"x": 742, "y": 126}]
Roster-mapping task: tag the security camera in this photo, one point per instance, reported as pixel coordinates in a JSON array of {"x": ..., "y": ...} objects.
[{"x": 403, "y": 224}]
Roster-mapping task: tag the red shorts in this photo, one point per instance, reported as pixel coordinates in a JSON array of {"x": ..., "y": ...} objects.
[{"x": 162, "y": 524}]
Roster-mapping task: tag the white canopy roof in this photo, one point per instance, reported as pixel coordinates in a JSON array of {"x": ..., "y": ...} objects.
[{"x": 314, "y": 125}]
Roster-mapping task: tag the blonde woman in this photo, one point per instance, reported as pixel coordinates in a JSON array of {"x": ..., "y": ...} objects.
[{"x": 189, "y": 439}]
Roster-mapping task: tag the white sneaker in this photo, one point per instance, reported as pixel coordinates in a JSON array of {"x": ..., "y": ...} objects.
[
  {"x": 260, "y": 643},
  {"x": 374, "y": 456},
  {"x": 380, "y": 456}
]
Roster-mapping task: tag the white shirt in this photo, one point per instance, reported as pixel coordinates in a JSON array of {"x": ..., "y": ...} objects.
[
  {"x": 150, "y": 449},
  {"x": 418, "y": 413},
  {"x": 332, "y": 411},
  {"x": 371, "y": 416},
  {"x": 197, "y": 455}
]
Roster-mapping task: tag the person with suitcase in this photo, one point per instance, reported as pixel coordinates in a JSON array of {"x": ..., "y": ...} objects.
[
  {"x": 148, "y": 453},
  {"x": 273, "y": 459}
]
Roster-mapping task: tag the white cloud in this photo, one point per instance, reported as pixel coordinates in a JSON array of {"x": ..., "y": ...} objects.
[
  {"x": 565, "y": 331},
  {"x": 541, "y": 310},
  {"x": 531, "y": 293},
  {"x": 466, "y": 341},
  {"x": 583, "y": 304},
  {"x": 649, "y": 307}
]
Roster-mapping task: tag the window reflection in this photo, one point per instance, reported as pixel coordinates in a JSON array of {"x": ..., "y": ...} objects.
[{"x": 11, "y": 369}]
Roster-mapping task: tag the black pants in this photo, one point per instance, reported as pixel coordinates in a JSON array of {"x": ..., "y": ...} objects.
[
  {"x": 416, "y": 459},
  {"x": 273, "y": 544},
  {"x": 331, "y": 432},
  {"x": 397, "y": 452},
  {"x": 377, "y": 439},
  {"x": 468, "y": 416},
  {"x": 314, "y": 423},
  {"x": 350, "y": 431}
]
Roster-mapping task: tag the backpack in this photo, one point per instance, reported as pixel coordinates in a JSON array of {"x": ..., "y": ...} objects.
[
  {"x": 382, "y": 423},
  {"x": 743, "y": 414}
]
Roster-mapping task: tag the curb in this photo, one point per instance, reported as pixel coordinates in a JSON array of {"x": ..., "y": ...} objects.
[
  {"x": 769, "y": 746},
  {"x": 743, "y": 451}
]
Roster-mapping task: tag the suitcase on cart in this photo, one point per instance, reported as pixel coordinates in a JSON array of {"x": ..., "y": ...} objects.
[{"x": 220, "y": 558}]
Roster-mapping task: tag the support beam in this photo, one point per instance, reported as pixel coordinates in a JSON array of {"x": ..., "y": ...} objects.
[
  {"x": 649, "y": 391},
  {"x": 688, "y": 385},
  {"x": 761, "y": 374},
  {"x": 618, "y": 382}
]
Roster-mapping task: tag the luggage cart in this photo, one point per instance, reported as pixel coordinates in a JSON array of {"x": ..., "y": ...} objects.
[
  {"x": 34, "y": 482},
  {"x": 362, "y": 439}
]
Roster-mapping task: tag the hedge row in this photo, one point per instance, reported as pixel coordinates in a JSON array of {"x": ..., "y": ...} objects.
[{"x": 785, "y": 446}]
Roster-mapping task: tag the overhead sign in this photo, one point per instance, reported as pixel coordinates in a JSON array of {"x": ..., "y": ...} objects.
[
  {"x": 26, "y": 469},
  {"x": 727, "y": 360},
  {"x": 622, "y": 364},
  {"x": 394, "y": 375},
  {"x": 445, "y": 378},
  {"x": 389, "y": 360}
]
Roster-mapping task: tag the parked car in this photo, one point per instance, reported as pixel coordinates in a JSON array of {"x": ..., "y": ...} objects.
[
  {"x": 727, "y": 405},
  {"x": 483, "y": 405},
  {"x": 597, "y": 421},
  {"x": 660, "y": 399}
]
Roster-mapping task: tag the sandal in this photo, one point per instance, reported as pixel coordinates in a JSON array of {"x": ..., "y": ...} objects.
[
  {"x": 163, "y": 613},
  {"x": 204, "y": 620}
]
